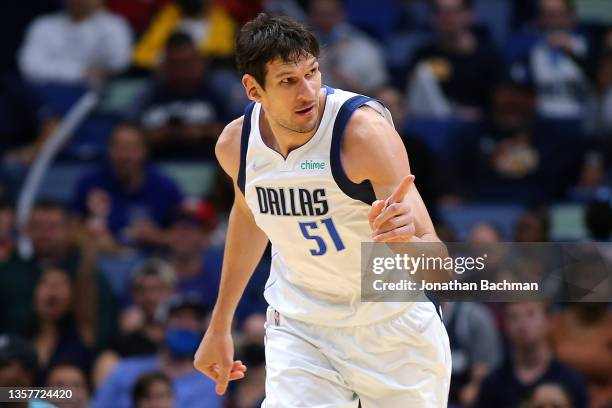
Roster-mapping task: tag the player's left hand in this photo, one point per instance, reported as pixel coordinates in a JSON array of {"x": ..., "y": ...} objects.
[{"x": 392, "y": 220}]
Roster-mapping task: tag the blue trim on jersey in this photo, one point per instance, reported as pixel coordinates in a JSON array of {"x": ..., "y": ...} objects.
[
  {"x": 329, "y": 89},
  {"x": 244, "y": 144},
  {"x": 436, "y": 304},
  {"x": 362, "y": 191}
]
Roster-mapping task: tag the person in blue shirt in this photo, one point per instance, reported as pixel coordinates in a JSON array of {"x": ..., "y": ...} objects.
[
  {"x": 183, "y": 316},
  {"x": 127, "y": 197}
]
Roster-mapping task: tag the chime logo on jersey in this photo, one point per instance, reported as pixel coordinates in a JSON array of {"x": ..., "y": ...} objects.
[{"x": 291, "y": 201}]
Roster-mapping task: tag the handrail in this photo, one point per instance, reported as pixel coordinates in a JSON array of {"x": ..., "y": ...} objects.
[{"x": 51, "y": 147}]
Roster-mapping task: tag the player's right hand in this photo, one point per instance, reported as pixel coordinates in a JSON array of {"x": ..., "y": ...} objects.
[{"x": 214, "y": 358}]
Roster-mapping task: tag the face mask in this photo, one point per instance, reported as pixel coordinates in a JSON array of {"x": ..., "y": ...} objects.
[{"x": 182, "y": 343}]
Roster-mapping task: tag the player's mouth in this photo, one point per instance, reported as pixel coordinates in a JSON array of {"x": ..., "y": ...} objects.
[{"x": 306, "y": 111}]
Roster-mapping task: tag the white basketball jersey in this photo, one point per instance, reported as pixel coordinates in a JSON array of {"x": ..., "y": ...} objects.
[{"x": 315, "y": 218}]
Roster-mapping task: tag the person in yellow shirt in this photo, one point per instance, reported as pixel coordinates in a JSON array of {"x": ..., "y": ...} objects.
[{"x": 210, "y": 26}]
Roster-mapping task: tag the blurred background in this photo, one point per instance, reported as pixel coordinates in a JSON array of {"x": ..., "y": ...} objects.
[{"x": 113, "y": 208}]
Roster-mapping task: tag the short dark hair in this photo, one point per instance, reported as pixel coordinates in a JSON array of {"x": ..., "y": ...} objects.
[
  {"x": 179, "y": 39},
  {"x": 141, "y": 388},
  {"x": 266, "y": 38}
]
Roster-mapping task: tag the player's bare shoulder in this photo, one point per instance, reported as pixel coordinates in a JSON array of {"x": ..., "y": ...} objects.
[
  {"x": 227, "y": 148},
  {"x": 369, "y": 135}
]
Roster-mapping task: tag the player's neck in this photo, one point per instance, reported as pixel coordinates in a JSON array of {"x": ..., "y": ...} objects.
[{"x": 284, "y": 140}]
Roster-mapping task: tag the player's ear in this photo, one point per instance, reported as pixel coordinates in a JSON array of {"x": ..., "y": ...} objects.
[{"x": 251, "y": 87}]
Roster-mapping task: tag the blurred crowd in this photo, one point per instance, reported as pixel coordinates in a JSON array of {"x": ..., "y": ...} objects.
[{"x": 108, "y": 288}]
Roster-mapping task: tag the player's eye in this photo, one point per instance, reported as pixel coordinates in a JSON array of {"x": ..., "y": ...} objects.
[{"x": 286, "y": 81}]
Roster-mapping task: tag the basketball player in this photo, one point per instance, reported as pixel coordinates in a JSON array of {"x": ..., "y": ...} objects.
[{"x": 317, "y": 171}]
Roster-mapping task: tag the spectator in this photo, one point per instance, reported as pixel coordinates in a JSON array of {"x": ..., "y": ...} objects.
[
  {"x": 550, "y": 395},
  {"x": 184, "y": 326},
  {"x": 153, "y": 390},
  {"x": 475, "y": 348},
  {"x": 140, "y": 331},
  {"x": 452, "y": 76},
  {"x": 582, "y": 334},
  {"x": 210, "y": 27},
  {"x": 60, "y": 331},
  {"x": 53, "y": 246},
  {"x": 84, "y": 42},
  {"x": 18, "y": 367},
  {"x": 198, "y": 267},
  {"x": 558, "y": 55},
  {"x": 351, "y": 60},
  {"x": 531, "y": 362},
  {"x": 70, "y": 375},
  {"x": 127, "y": 198},
  {"x": 180, "y": 113},
  {"x": 513, "y": 157},
  {"x": 198, "y": 263}
]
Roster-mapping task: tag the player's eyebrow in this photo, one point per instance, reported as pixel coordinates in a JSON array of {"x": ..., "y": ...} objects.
[{"x": 289, "y": 72}]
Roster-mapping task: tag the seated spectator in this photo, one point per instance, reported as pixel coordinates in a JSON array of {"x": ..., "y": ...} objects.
[
  {"x": 198, "y": 263},
  {"x": 475, "y": 348},
  {"x": 513, "y": 157},
  {"x": 531, "y": 362},
  {"x": 67, "y": 374},
  {"x": 127, "y": 198},
  {"x": 351, "y": 61},
  {"x": 52, "y": 245},
  {"x": 558, "y": 54},
  {"x": 82, "y": 43},
  {"x": 198, "y": 268},
  {"x": 582, "y": 334},
  {"x": 210, "y": 27},
  {"x": 61, "y": 330},
  {"x": 18, "y": 367},
  {"x": 180, "y": 113},
  {"x": 453, "y": 76},
  {"x": 153, "y": 390},
  {"x": 140, "y": 331},
  {"x": 183, "y": 321},
  {"x": 550, "y": 395}
]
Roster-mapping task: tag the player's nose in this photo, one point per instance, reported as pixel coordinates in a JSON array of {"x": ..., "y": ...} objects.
[{"x": 307, "y": 91}]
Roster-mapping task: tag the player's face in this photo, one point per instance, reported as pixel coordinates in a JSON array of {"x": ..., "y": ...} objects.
[{"x": 291, "y": 97}]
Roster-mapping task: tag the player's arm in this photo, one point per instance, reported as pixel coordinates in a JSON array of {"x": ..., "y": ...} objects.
[
  {"x": 244, "y": 246},
  {"x": 399, "y": 214}
]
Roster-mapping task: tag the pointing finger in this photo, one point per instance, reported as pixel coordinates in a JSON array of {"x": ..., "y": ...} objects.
[{"x": 401, "y": 190}]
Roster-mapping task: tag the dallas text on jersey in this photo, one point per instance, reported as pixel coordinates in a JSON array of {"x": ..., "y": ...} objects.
[{"x": 292, "y": 201}]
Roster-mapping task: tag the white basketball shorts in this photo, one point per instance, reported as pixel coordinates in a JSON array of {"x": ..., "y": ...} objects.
[{"x": 398, "y": 363}]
